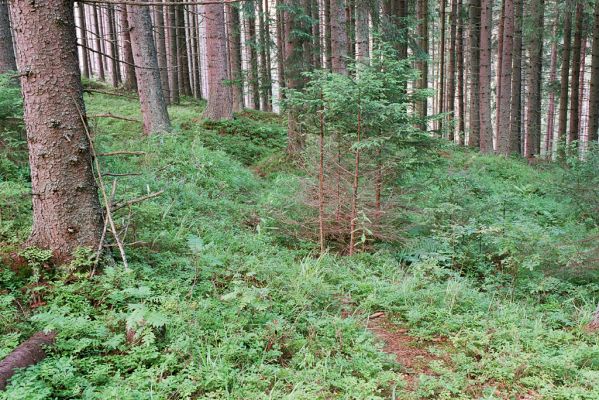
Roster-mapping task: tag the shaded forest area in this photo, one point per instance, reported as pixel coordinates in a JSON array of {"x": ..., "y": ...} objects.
[{"x": 299, "y": 199}]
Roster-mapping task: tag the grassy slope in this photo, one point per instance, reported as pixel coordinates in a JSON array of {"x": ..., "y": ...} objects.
[{"x": 222, "y": 310}]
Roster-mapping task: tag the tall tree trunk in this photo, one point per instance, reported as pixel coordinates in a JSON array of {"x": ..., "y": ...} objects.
[
  {"x": 594, "y": 91},
  {"x": 338, "y": 37},
  {"x": 234, "y": 39},
  {"x": 505, "y": 94},
  {"x": 362, "y": 32},
  {"x": 264, "y": 80},
  {"x": 173, "y": 59},
  {"x": 486, "y": 128},
  {"x": 153, "y": 106},
  {"x": 115, "y": 75},
  {"x": 516, "y": 106},
  {"x": 280, "y": 47},
  {"x": 7, "y": 52},
  {"x": 328, "y": 35},
  {"x": 441, "y": 107},
  {"x": 460, "y": 72},
  {"x": 66, "y": 210},
  {"x": 564, "y": 75},
  {"x": 499, "y": 75},
  {"x": 160, "y": 52},
  {"x": 83, "y": 27},
  {"x": 551, "y": 107},
  {"x": 130, "y": 82},
  {"x": 219, "y": 92},
  {"x": 535, "y": 74},
  {"x": 252, "y": 43},
  {"x": 451, "y": 73},
  {"x": 474, "y": 133},
  {"x": 422, "y": 83},
  {"x": 98, "y": 43},
  {"x": 575, "y": 82},
  {"x": 296, "y": 140},
  {"x": 182, "y": 53},
  {"x": 316, "y": 34},
  {"x": 402, "y": 15}
]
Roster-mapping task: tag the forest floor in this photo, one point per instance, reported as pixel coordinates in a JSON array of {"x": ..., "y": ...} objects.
[{"x": 486, "y": 295}]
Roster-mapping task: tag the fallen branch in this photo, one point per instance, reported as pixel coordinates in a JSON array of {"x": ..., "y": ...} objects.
[
  {"x": 26, "y": 354},
  {"x": 122, "y": 152},
  {"x": 126, "y": 174},
  {"x": 109, "y": 93},
  {"x": 110, "y": 115},
  {"x": 128, "y": 203}
]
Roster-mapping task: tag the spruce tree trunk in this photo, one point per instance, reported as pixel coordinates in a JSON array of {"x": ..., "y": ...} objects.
[
  {"x": 220, "y": 105},
  {"x": 422, "y": 105},
  {"x": 594, "y": 91},
  {"x": 328, "y": 35},
  {"x": 474, "y": 133},
  {"x": 130, "y": 81},
  {"x": 182, "y": 53},
  {"x": 486, "y": 128},
  {"x": 280, "y": 47},
  {"x": 451, "y": 73},
  {"x": 161, "y": 52},
  {"x": 460, "y": 72},
  {"x": 253, "y": 44},
  {"x": 153, "y": 106},
  {"x": 564, "y": 75},
  {"x": 296, "y": 140},
  {"x": 535, "y": 50},
  {"x": 115, "y": 75},
  {"x": 516, "y": 111},
  {"x": 7, "y": 52},
  {"x": 441, "y": 107},
  {"x": 173, "y": 74},
  {"x": 317, "y": 56},
  {"x": 362, "y": 32},
  {"x": 551, "y": 107},
  {"x": 264, "y": 79},
  {"x": 98, "y": 43},
  {"x": 66, "y": 210},
  {"x": 575, "y": 82},
  {"x": 338, "y": 37},
  {"x": 505, "y": 95},
  {"x": 82, "y": 24},
  {"x": 234, "y": 38}
]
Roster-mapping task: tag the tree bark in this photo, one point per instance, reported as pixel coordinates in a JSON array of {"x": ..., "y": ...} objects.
[
  {"x": 98, "y": 43},
  {"x": 474, "y": 132},
  {"x": 161, "y": 52},
  {"x": 441, "y": 107},
  {"x": 317, "y": 59},
  {"x": 362, "y": 32},
  {"x": 293, "y": 63},
  {"x": 7, "y": 52},
  {"x": 26, "y": 354},
  {"x": 83, "y": 28},
  {"x": 130, "y": 81},
  {"x": 564, "y": 75},
  {"x": 219, "y": 92},
  {"x": 505, "y": 93},
  {"x": 182, "y": 53},
  {"x": 575, "y": 82},
  {"x": 594, "y": 91},
  {"x": 115, "y": 75},
  {"x": 66, "y": 209},
  {"x": 422, "y": 105},
  {"x": 173, "y": 59},
  {"x": 516, "y": 106},
  {"x": 486, "y": 129},
  {"x": 153, "y": 106},
  {"x": 451, "y": 73},
  {"x": 338, "y": 37},
  {"x": 533, "y": 118},
  {"x": 252, "y": 43},
  {"x": 460, "y": 72},
  {"x": 551, "y": 107},
  {"x": 234, "y": 38}
]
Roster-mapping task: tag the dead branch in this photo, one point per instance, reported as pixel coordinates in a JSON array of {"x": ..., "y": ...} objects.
[
  {"x": 122, "y": 152},
  {"x": 110, "y": 115},
  {"x": 136, "y": 200},
  {"x": 109, "y": 93},
  {"x": 125, "y": 174}
]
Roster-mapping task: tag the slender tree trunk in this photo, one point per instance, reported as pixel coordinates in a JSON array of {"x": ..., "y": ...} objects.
[
  {"x": 355, "y": 187},
  {"x": 149, "y": 87},
  {"x": 516, "y": 111},
  {"x": 66, "y": 210},
  {"x": 173, "y": 58},
  {"x": 451, "y": 73},
  {"x": 115, "y": 76},
  {"x": 594, "y": 91},
  {"x": 321, "y": 199},
  {"x": 328, "y": 35},
  {"x": 280, "y": 47},
  {"x": 338, "y": 37},
  {"x": 505, "y": 93},
  {"x": 83, "y": 47},
  {"x": 219, "y": 92},
  {"x": 474, "y": 134},
  {"x": 499, "y": 75},
  {"x": 161, "y": 52},
  {"x": 234, "y": 38},
  {"x": 402, "y": 14},
  {"x": 551, "y": 106},
  {"x": 7, "y": 52},
  {"x": 316, "y": 34},
  {"x": 441, "y": 108},
  {"x": 533, "y": 119},
  {"x": 296, "y": 140},
  {"x": 575, "y": 82},
  {"x": 362, "y": 32},
  {"x": 460, "y": 72},
  {"x": 253, "y": 44},
  {"x": 264, "y": 80},
  {"x": 98, "y": 42},
  {"x": 182, "y": 54},
  {"x": 565, "y": 73},
  {"x": 130, "y": 82},
  {"x": 422, "y": 105},
  {"x": 486, "y": 129}
]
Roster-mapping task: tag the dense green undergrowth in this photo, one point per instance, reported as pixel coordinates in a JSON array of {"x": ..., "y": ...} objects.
[{"x": 219, "y": 304}]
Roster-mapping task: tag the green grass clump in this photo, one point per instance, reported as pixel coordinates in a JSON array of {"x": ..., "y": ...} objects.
[{"x": 216, "y": 305}]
